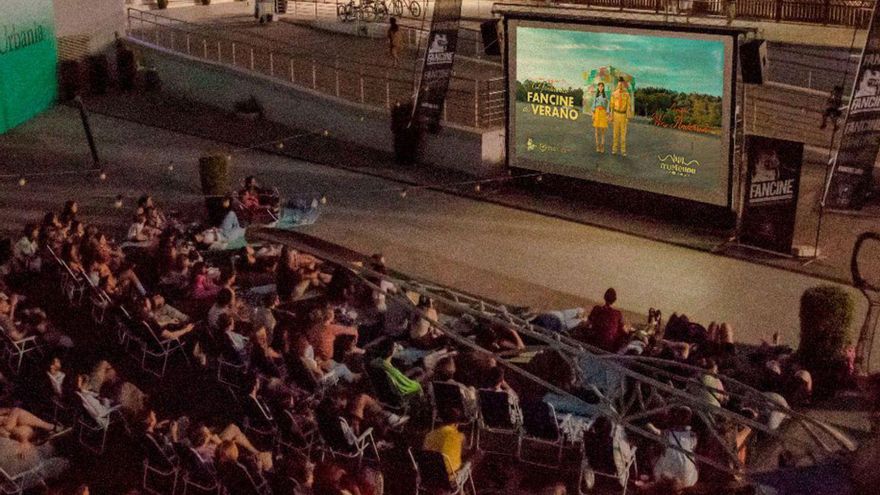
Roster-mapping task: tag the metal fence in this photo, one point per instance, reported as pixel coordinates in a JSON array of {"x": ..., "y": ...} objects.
[
  {"x": 470, "y": 102},
  {"x": 855, "y": 13}
]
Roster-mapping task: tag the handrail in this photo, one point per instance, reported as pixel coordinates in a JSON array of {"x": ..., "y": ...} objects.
[{"x": 469, "y": 101}]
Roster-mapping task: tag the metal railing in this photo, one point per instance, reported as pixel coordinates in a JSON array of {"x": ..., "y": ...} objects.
[
  {"x": 470, "y": 102},
  {"x": 855, "y": 13}
]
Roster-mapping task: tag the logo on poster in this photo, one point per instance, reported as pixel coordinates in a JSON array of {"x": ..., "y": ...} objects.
[
  {"x": 867, "y": 96},
  {"x": 14, "y": 39}
]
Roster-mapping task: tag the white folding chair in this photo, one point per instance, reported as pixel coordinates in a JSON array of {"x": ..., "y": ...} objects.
[{"x": 16, "y": 350}]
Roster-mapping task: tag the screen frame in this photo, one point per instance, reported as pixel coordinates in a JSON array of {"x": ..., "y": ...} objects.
[{"x": 729, "y": 102}]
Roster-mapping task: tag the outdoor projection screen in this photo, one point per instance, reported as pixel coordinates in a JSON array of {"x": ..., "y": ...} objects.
[{"x": 675, "y": 113}]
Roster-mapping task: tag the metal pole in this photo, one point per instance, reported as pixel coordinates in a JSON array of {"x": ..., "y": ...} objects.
[
  {"x": 205, "y": 48},
  {"x": 361, "y": 81},
  {"x": 252, "y": 58},
  {"x": 476, "y": 103},
  {"x": 292, "y": 77},
  {"x": 336, "y": 70},
  {"x": 387, "y": 93},
  {"x": 444, "y": 111},
  {"x": 219, "y": 52},
  {"x": 314, "y": 74},
  {"x": 187, "y": 44},
  {"x": 173, "y": 46},
  {"x": 271, "y": 64},
  {"x": 233, "y": 53}
]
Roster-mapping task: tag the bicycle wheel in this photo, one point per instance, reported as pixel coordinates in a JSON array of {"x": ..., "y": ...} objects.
[
  {"x": 367, "y": 13},
  {"x": 415, "y": 9},
  {"x": 397, "y": 8}
]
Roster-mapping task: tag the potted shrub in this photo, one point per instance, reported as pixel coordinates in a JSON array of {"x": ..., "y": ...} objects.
[
  {"x": 206, "y": 2},
  {"x": 162, "y": 4},
  {"x": 826, "y": 316},
  {"x": 214, "y": 178},
  {"x": 249, "y": 109}
]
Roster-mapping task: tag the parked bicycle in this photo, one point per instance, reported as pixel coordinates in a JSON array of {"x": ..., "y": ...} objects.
[
  {"x": 346, "y": 12},
  {"x": 414, "y": 7}
]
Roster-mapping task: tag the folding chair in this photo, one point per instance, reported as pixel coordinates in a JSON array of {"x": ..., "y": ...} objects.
[
  {"x": 540, "y": 429},
  {"x": 198, "y": 477},
  {"x": 101, "y": 302},
  {"x": 294, "y": 437},
  {"x": 16, "y": 350},
  {"x": 157, "y": 348},
  {"x": 499, "y": 417},
  {"x": 72, "y": 284},
  {"x": 161, "y": 473},
  {"x": 344, "y": 443},
  {"x": 90, "y": 427},
  {"x": 385, "y": 393},
  {"x": 433, "y": 474},
  {"x": 231, "y": 374},
  {"x": 18, "y": 484},
  {"x": 445, "y": 397},
  {"x": 624, "y": 462}
]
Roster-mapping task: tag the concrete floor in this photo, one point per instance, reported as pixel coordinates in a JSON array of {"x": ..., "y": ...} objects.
[{"x": 516, "y": 257}]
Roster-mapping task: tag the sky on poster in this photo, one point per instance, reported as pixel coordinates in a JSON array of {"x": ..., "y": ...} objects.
[{"x": 678, "y": 64}]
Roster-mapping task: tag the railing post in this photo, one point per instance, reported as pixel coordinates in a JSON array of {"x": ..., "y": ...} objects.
[
  {"x": 205, "y": 48},
  {"x": 233, "y": 53},
  {"x": 314, "y": 74},
  {"x": 219, "y": 52},
  {"x": 387, "y": 94},
  {"x": 778, "y": 13},
  {"x": 252, "y": 58},
  {"x": 173, "y": 46},
  {"x": 292, "y": 76},
  {"x": 187, "y": 44},
  {"x": 271, "y": 64},
  {"x": 156, "y": 31},
  {"x": 336, "y": 70},
  {"x": 476, "y": 103},
  {"x": 444, "y": 111},
  {"x": 361, "y": 82}
]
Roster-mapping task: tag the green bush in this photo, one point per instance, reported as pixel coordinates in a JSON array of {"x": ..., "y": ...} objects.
[
  {"x": 206, "y": 2},
  {"x": 826, "y": 317},
  {"x": 162, "y": 4},
  {"x": 214, "y": 174}
]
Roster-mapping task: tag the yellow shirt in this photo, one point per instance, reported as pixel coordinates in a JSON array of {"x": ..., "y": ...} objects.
[
  {"x": 449, "y": 441},
  {"x": 620, "y": 102}
]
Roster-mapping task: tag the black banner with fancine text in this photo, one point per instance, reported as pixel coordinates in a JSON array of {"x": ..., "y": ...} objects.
[
  {"x": 850, "y": 179},
  {"x": 437, "y": 67},
  {"x": 774, "y": 175}
]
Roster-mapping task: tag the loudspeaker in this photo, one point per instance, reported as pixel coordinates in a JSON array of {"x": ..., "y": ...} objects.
[
  {"x": 489, "y": 30},
  {"x": 753, "y": 61}
]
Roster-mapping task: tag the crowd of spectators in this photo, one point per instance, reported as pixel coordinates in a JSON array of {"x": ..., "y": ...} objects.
[{"x": 313, "y": 368}]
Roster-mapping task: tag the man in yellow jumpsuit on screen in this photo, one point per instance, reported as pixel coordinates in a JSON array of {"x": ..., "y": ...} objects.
[{"x": 621, "y": 112}]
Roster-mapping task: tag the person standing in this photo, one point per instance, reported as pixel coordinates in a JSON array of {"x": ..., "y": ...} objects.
[
  {"x": 606, "y": 324},
  {"x": 600, "y": 117},
  {"x": 622, "y": 111},
  {"x": 395, "y": 42}
]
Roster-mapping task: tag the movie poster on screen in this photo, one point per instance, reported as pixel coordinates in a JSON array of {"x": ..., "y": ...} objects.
[
  {"x": 850, "y": 177},
  {"x": 634, "y": 108},
  {"x": 774, "y": 175},
  {"x": 439, "y": 59}
]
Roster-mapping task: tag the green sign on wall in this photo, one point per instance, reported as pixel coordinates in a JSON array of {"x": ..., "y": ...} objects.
[{"x": 28, "y": 57}]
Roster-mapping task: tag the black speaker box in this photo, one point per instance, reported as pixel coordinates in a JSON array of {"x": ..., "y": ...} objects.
[{"x": 753, "y": 61}]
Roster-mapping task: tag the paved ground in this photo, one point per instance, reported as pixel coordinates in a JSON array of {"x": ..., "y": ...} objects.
[{"x": 507, "y": 254}]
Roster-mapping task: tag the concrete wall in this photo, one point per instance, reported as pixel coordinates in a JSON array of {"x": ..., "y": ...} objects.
[
  {"x": 467, "y": 150},
  {"x": 96, "y": 19}
]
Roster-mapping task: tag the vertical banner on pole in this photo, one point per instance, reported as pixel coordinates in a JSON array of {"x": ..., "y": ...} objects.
[
  {"x": 439, "y": 59},
  {"x": 774, "y": 175},
  {"x": 850, "y": 179}
]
